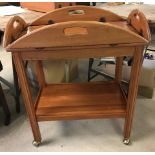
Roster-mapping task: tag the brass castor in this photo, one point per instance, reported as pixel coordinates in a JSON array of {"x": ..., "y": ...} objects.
[
  {"x": 35, "y": 143},
  {"x": 127, "y": 141}
]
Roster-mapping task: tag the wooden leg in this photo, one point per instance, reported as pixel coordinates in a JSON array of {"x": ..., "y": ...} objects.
[
  {"x": 67, "y": 71},
  {"x": 40, "y": 73},
  {"x": 118, "y": 69},
  {"x": 17, "y": 89},
  {"x": 132, "y": 94},
  {"x": 27, "y": 96},
  {"x": 5, "y": 107},
  {"x": 91, "y": 60}
]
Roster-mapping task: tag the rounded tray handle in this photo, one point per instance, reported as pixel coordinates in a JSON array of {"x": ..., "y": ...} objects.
[{"x": 13, "y": 29}]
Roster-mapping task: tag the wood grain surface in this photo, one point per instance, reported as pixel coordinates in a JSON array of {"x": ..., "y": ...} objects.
[{"x": 77, "y": 101}]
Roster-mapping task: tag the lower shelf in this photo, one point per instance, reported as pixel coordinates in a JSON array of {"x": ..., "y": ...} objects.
[{"x": 81, "y": 101}]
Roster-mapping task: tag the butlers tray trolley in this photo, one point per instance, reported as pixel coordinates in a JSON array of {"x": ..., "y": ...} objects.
[{"x": 71, "y": 33}]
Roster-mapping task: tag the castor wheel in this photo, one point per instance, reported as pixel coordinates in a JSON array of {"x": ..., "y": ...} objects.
[
  {"x": 127, "y": 141},
  {"x": 35, "y": 143}
]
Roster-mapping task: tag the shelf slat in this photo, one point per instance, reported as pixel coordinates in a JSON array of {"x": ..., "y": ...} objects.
[{"x": 77, "y": 101}]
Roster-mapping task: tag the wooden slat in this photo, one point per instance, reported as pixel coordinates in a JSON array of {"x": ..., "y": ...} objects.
[
  {"x": 67, "y": 101},
  {"x": 70, "y": 13},
  {"x": 73, "y": 48},
  {"x": 97, "y": 34},
  {"x": 99, "y": 113},
  {"x": 123, "y": 24},
  {"x": 78, "y": 53}
]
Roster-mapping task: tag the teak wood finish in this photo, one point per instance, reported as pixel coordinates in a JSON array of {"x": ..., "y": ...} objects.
[{"x": 80, "y": 32}]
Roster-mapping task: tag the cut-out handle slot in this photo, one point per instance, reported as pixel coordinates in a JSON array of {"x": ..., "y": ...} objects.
[
  {"x": 136, "y": 15},
  {"x": 76, "y": 12},
  {"x": 75, "y": 31},
  {"x": 16, "y": 23}
]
